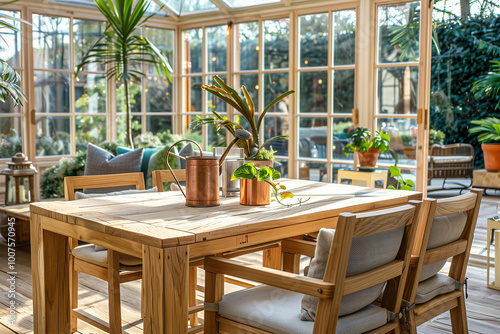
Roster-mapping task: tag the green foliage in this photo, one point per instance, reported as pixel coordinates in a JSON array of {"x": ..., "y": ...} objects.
[
  {"x": 52, "y": 180},
  {"x": 436, "y": 137},
  {"x": 487, "y": 130},
  {"x": 158, "y": 162},
  {"x": 248, "y": 171},
  {"x": 406, "y": 37},
  {"x": 246, "y": 108},
  {"x": 361, "y": 141},
  {"x": 265, "y": 155},
  {"x": 489, "y": 84},
  {"x": 402, "y": 183}
]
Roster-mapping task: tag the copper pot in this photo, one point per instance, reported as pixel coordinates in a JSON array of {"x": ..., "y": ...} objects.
[
  {"x": 253, "y": 192},
  {"x": 202, "y": 179},
  {"x": 368, "y": 159}
]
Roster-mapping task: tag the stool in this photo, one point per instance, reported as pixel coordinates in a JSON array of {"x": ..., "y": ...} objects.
[
  {"x": 360, "y": 178},
  {"x": 493, "y": 226}
]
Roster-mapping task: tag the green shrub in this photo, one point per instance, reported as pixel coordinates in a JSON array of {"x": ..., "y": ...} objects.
[{"x": 436, "y": 137}]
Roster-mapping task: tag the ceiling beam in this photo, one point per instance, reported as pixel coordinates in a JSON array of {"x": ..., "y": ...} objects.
[
  {"x": 171, "y": 14},
  {"x": 287, "y": 3},
  {"x": 222, "y": 6}
]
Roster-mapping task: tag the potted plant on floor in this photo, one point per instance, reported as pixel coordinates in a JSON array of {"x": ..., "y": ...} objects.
[
  {"x": 246, "y": 107},
  {"x": 367, "y": 148},
  {"x": 488, "y": 134}
]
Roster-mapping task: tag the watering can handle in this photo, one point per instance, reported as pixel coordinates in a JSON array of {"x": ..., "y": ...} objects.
[{"x": 170, "y": 168}]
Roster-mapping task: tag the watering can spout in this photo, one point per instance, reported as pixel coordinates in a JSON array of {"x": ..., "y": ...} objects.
[{"x": 241, "y": 134}]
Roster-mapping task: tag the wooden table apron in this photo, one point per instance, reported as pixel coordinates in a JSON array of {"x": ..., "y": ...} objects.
[{"x": 167, "y": 234}]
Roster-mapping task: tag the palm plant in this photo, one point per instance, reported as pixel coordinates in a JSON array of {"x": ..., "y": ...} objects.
[
  {"x": 489, "y": 84},
  {"x": 487, "y": 130},
  {"x": 123, "y": 50}
]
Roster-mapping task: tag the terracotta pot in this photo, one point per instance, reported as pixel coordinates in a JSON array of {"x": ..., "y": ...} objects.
[
  {"x": 491, "y": 156},
  {"x": 368, "y": 159},
  {"x": 253, "y": 192}
]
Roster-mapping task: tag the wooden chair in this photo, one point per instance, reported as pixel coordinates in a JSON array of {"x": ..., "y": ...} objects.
[
  {"x": 276, "y": 306},
  {"x": 446, "y": 229},
  {"x": 82, "y": 260}
]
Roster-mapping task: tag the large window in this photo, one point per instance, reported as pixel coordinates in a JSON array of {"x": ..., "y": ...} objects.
[
  {"x": 325, "y": 92},
  {"x": 11, "y": 133}
]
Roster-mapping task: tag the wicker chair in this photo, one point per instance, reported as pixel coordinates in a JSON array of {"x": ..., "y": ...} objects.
[{"x": 451, "y": 161}]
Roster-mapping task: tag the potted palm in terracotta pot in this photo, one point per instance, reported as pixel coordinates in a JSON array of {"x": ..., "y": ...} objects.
[
  {"x": 367, "y": 148},
  {"x": 488, "y": 134}
]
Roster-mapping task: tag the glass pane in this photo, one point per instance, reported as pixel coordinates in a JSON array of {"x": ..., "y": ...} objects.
[
  {"x": 90, "y": 129},
  {"x": 399, "y": 32},
  {"x": 216, "y": 49},
  {"x": 156, "y": 124},
  {"x": 11, "y": 136},
  {"x": 251, "y": 82},
  {"x": 194, "y": 134},
  {"x": 90, "y": 93},
  {"x": 121, "y": 128},
  {"x": 313, "y": 92},
  {"x": 343, "y": 91},
  {"x": 51, "y": 42},
  {"x": 340, "y": 127},
  {"x": 247, "y": 46},
  {"x": 276, "y": 84},
  {"x": 214, "y": 103},
  {"x": 9, "y": 108},
  {"x": 313, "y": 40},
  {"x": 192, "y": 95},
  {"x": 276, "y": 36},
  {"x": 403, "y": 133},
  {"x": 312, "y": 137},
  {"x": 282, "y": 168},
  {"x": 277, "y": 126},
  {"x": 246, "y": 3},
  {"x": 10, "y": 44},
  {"x": 158, "y": 95},
  {"x": 52, "y": 92},
  {"x": 214, "y": 138},
  {"x": 85, "y": 33},
  {"x": 135, "y": 96},
  {"x": 335, "y": 169},
  {"x": 181, "y": 7},
  {"x": 53, "y": 136},
  {"x": 192, "y": 50},
  {"x": 344, "y": 37},
  {"x": 311, "y": 170},
  {"x": 163, "y": 40},
  {"x": 398, "y": 90}
]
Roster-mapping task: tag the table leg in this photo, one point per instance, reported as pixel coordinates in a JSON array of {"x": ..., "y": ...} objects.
[
  {"x": 165, "y": 275},
  {"x": 50, "y": 275},
  {"x": 271, "y": 258}
]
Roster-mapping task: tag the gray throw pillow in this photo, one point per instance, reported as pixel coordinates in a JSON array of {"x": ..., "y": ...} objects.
[
  {"x": 100, "y": 161},
  {"x": 382, "y": 247}
]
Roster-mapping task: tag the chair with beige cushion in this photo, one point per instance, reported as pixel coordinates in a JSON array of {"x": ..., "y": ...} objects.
[
  {"x": 451, "y": 162},
  {"x": 98, "y": 261},
  {"x": 352, "y": 264},
  {"x": 446, "y": 229}
]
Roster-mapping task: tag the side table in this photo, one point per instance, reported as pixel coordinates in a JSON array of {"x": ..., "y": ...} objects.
[
  {"x": 359, "y": 178},
  {"x": 485, "y": 179},
  {"x": 493, "y": 226}
]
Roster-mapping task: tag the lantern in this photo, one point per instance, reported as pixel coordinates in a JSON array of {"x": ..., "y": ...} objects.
[{"x": 19, "y": 183}]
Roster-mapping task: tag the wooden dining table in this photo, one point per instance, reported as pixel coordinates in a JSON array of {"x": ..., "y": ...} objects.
[{"x": 166, "y": 234}]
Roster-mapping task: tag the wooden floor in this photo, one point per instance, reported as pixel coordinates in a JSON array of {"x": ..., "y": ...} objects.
[{"x": 483, "y": 304}]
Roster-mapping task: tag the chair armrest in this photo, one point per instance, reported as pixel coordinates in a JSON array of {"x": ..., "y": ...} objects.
[
  {"x": 280, "y": 279},
  {"x": 297, "y": 246}
]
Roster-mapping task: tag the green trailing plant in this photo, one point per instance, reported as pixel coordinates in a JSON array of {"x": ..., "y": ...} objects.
[
  {"x": 248, "y": 171},
  {"x": 402, "y": 183},
  {"x": 123, "y": 50},
  {"x": 487, "y": 130},
  {"x": 360, "y": 140},
  {"x": 489, "y": 84},
  {"x": 246, "y": 107}
]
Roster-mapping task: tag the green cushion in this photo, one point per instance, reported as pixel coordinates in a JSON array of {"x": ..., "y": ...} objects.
[
  {"x": 157, "y": 162},
  {"x": 148, "y": 152}
]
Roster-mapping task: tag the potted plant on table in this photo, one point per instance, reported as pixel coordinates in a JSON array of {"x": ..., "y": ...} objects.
[
  {"x": 488, "y": 134},
  {"x": 367, "y": 148},
  {"x": 246, "y": 107}
]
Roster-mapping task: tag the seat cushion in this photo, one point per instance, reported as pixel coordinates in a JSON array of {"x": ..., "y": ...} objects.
[
  {"x": 436, "y": 285},
  {"x": 100, "y": 161},
  {"x": 382, "y": 247},
  {"x": 146, "y": 156},
  {"x": 450, "y": 159},
  {"x": 444, "y": 230},
  {"x": 278, "y": 311},
  {"x": 100, "y": 258}
]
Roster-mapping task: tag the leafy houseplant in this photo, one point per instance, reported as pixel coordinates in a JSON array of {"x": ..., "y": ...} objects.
[
  {"x": 489, "y": 84},
  {"x": 488, "y": 134},
  {"x": 246, "y": 108},
  {"x": 368, "y": 148},
  {"x": 122, "y": 49},
  {"x": 256, "y": 185}
]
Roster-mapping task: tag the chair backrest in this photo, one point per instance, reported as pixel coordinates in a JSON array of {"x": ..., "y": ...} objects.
[
  {"x": 72, "y": 183},
  {"x": 447, "y": 215},
  {"x": 365, "y": 226},
  {"x": 452, "y": 149},
  {"x": 161, "y": 176}
]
